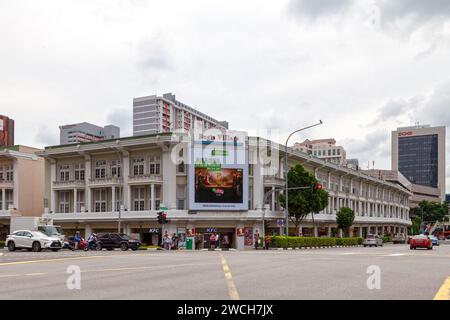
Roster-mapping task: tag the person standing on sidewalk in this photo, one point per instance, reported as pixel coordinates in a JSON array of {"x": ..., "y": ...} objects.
[
  {"x": 167, "y": 241},
  {"x": 256, "y": 239},
  {"x": 266, "y": 242}
]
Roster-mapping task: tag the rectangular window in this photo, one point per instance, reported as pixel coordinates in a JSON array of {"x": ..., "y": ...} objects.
[
  {"x": 180, "y": 168},
  {"x": 139, "y": 199},
  {"x": 138, "y": 167},
  {"x": 118, "y": 199},
  {"x": 79, "y": 172},
  {"x": 9, "y": 173},
  {"x": 155, "y": 166},
  {"x": 100, "y": 200},
  {"x": 116, "y": 169},
  {"x": 80, "y": 200},
  {"x": 157, "y": 197},
  {"x": 64, "y": 202},
  {"x": 100, "y": 169},
  {"x": 64, "y": 172},
  {"x": 9, "y": 198},
  {"x": 180, "y": 196}
]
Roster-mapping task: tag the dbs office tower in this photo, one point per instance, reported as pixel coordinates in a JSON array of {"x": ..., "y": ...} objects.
[{"x": 419, "y": 154}]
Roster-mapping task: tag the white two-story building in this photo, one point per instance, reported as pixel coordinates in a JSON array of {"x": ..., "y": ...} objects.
[{"x": 94, "y": 187}]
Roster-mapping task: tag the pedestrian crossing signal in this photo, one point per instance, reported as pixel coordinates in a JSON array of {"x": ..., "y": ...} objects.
[{"x": 162, "y": 217}]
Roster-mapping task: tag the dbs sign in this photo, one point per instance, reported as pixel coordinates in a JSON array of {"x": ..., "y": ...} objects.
[{"x": 405, "y": 134}]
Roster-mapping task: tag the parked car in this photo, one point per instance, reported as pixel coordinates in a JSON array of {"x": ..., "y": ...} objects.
[
  {"x": 399, "y": 238},
  {"x": 434, "y": 240},
  {"x": 110, "y": 241},
  {"x": 421, "y": 241},
  {"x": 32, "y": 241},
  {"x": 373, "y": 240}
]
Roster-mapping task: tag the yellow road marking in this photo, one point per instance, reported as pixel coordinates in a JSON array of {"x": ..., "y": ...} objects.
[
  {"x": 232, "y": 291},
  {"x": 444, "y": 291}
]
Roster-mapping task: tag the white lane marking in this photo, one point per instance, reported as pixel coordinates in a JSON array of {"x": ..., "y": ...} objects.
[
  {"x": 396, "y": 255},
  {"x": 348, "y": 253}
]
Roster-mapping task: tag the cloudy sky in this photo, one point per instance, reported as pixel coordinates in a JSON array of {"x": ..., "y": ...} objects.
[{"x": 364, "y": 67}]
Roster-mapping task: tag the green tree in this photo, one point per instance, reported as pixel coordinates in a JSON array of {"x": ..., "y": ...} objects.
[
  {"x": 303, "y": 201},
  {"x": 430, "y": 211},
  {"x": 345, "y": 218}
]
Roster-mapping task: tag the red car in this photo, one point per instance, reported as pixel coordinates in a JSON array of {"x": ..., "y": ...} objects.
[{"x": 421, "y": 241}]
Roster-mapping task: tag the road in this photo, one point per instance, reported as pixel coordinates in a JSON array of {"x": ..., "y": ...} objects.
[{"x": 333, "y": 273}]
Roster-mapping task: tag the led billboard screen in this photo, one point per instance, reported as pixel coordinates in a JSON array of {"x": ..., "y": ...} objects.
[{"x": 218, "y": 172}]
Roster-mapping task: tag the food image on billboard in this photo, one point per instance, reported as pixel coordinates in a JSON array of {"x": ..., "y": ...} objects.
[
  {"x": 218, "y": 185},
  {"x": 218, "y": 172}
]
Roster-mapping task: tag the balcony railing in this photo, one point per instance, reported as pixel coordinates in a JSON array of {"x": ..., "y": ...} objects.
[
  {"x": 144, "y": 178},
  {"x": 70, "y": 183},
  {"x": 6, "y": 184},
  {"x": 105, "y": 181}
]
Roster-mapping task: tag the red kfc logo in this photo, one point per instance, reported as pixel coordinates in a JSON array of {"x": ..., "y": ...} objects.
[{"x": 405, "y": 133}]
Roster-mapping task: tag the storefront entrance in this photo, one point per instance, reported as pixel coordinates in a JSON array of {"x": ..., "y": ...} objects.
[{"x": 225, "y": 239}]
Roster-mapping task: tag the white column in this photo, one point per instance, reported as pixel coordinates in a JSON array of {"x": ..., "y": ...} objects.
[
  {"x": 87, "y": 190},
  {"x": 126, "y": 173},
  {"x": 240, "y": 245},
  {"x": 4, "y": 199},
  {"x": 75, "y": 195},
  {"x": 329, "y": 231},
  {"x": 360, "y": 231},
  {"x": 152, "y": 197},
  {"x": 129, "y": 202},
  {"x": 113, "y": 198},
  {"x": 316, "y": 233},
  {"x": 87, "y": 231},
  {"x": 258, "y": 187},
  {"x": 273, "y": 198},
  {"x": 16, "y": 183},
  {"x": 52, "y": 180},
  {"x": 170, "y": 179}
]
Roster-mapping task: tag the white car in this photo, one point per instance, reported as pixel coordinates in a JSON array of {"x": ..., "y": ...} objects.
[
  {"x": 373, "y": 240},
  {"x": 32, "y": 240}
]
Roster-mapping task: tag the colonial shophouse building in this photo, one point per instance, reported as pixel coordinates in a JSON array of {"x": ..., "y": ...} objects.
[
  {"x": 91, "y": 186},
  {"x": 21, "y": 184}
]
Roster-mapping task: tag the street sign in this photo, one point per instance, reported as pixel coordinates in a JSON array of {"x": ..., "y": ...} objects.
[
  {"x": 162, "y": 207},
  {"x": 280, "y": 222}
]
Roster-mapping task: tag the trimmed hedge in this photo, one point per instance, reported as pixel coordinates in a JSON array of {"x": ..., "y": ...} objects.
[
  {"x": 386, "y": 239},
  {"x": 2, "y": 244},
  {"x": 302, "y": 242}
]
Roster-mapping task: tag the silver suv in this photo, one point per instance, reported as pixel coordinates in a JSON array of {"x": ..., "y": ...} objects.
[
  {"x": 32, "y": 240},
  {"x": 373, "y": 240}
]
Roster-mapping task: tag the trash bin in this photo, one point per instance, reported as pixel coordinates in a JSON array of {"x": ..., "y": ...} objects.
[{"x": 189, "y": 243}]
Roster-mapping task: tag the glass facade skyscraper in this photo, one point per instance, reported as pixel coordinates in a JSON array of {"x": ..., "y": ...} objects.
[{"x": 418, "y": 159}]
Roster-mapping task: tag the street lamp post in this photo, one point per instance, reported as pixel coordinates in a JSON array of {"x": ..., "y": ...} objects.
[{"x": 287, "y": 171}]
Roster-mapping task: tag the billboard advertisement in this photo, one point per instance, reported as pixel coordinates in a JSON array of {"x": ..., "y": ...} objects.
[{"x": 218, "y": 171}]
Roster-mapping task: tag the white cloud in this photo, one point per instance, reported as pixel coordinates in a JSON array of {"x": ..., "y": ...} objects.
[{"x": 358, "y": 65}]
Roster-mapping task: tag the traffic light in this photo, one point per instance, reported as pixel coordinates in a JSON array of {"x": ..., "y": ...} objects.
[
  {"x": 317, "y": 186},
  {"x": 160, "y": 217},
  {"x": 164, "y": 218}
]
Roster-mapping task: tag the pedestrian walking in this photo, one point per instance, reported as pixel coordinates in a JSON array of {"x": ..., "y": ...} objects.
[{"x": 256, "y": 239}]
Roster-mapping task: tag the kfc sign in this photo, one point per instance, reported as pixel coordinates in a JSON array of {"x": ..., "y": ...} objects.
[{"x": 405, "y": 134}]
